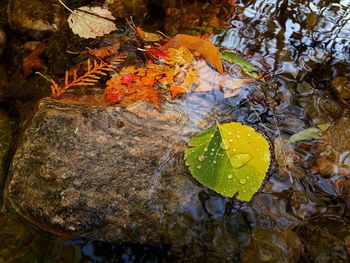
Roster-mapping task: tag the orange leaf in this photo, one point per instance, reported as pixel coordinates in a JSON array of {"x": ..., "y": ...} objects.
[
  {"x": 205, "y": 48},
  {"x": 140, "y": 89},
  {"x": 176, "y": 90}
]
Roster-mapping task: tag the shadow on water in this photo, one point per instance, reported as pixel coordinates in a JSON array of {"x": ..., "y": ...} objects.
[{"x": 302, "y": 213}]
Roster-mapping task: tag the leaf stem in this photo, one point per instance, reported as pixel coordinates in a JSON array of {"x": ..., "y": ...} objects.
[{"x": 64, "y": 5}]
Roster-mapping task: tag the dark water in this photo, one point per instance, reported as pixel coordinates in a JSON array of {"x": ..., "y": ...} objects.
[{"x": 302, "y": 214}]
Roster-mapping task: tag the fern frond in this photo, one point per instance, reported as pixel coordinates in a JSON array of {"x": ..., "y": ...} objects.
[{"x": 94, "y": 72}]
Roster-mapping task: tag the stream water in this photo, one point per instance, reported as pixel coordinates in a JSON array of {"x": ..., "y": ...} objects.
[{"x": 302, "y": 216}]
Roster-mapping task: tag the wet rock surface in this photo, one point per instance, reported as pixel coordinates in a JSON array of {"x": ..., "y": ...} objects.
[
  {"x": 35, "y": 18},
  {"x": 79, "y": 168}
]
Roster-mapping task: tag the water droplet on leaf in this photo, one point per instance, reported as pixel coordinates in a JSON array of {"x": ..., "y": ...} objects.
[
  {"x": 224, "y": 145},
  {"x": 199, "y": 166},
  {"x": 229, "y": 176},
  {"x": 242, "y": 181},
  {"x": 240, "y": 159},
  {"x": 201, "y": 158}
]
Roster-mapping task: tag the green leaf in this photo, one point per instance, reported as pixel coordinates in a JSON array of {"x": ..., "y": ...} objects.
[
  {"x": 229, "y": 158},
  {"x": 246, "y": 66},
  {"x": 309, "y": 134}
]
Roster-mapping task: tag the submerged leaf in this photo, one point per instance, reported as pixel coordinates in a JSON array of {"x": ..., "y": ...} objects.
[
  {"x": 309, "y": 134},
  {"x": 203, "y": 47},
  {"x": 209, "y": 80},
  {"x": 33, "y": 60},
  {"x": 230, "y": 158},
  {"x": 91, "y": 22},
  {"x": 246, "y": 66}
]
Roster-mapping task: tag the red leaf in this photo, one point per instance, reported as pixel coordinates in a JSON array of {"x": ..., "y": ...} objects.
[
  {"x": 128, "y": 78},
  {"x": 157, "y": 53},
  {"x": 142, "y": 89}
]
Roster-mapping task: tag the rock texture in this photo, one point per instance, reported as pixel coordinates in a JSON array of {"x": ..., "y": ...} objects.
[
  {"x": 36, "y": 18},
  {"x": 79, "y": 168},
  {"x": 117, "y": 174}
]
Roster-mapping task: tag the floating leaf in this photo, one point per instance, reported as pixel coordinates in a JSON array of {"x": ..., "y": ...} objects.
[
  {"x": 246, "y": 66},
  {"x": 91, "y": 22},
  {"x": 203, "y": 47},
  {"x": 230, "y": 158},
  {"x": 309, "y": 134}
]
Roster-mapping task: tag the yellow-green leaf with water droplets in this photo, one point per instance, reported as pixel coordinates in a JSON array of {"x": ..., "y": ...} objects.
[{"x": 229, "y": 158}]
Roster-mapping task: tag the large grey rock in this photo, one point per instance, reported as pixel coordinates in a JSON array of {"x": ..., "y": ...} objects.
[
  {"x": 36, "y": 18},
  {"x": 119, "y": 172}
]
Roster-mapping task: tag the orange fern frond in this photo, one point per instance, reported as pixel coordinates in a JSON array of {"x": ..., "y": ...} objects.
[{"x": 94, "y": 72}]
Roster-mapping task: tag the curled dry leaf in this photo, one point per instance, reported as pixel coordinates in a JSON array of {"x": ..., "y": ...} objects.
[
  {"x": 203, "y": 47},
  {"x": 91, "y": 22}
]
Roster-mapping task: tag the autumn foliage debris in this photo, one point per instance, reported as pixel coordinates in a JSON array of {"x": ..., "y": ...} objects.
[
  {"x": 94, "y": 72},
  {"x": 171, "y": 68}
]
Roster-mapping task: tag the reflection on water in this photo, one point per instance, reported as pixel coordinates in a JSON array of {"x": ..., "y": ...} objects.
[{"x": 300, "y": 216}]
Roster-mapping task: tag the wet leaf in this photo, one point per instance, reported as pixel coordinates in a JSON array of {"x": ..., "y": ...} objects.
[
  {"x": 308, "y": 134},
  {"x": 284, "y": 153},
  {"x": 203, "y": 47},
  {"x": 246, "y": 66},
  {"x": 128, "y": 88},
  {"x": 91, "y": 22},
  {"x": 33, "y": 61},
  {"x": 229, "y": 158},
  {"x": 209, "y": 79}
]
